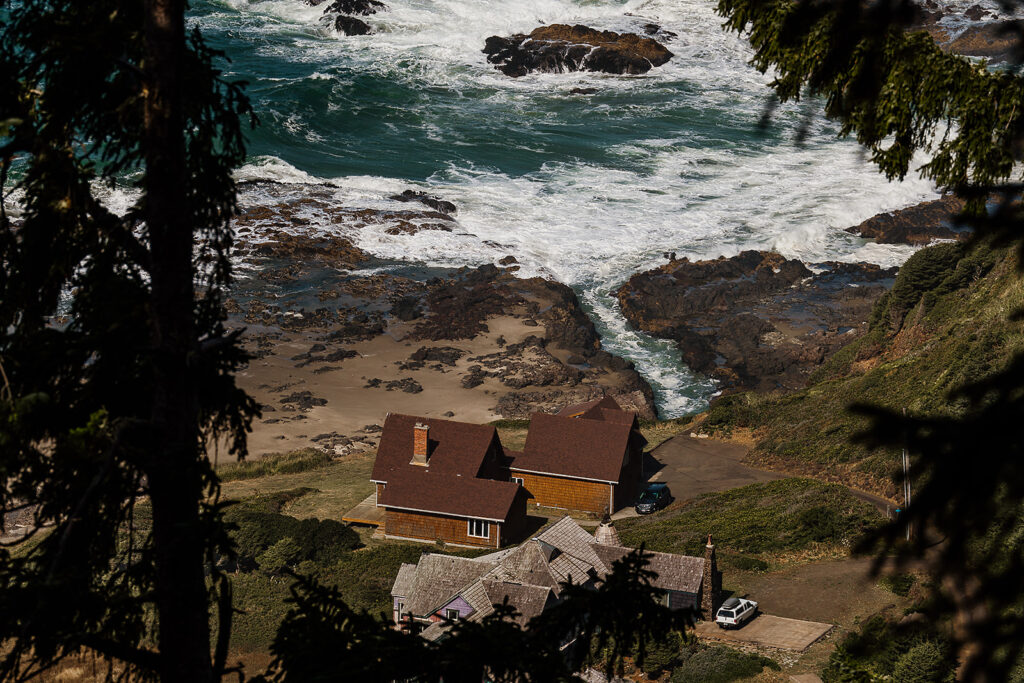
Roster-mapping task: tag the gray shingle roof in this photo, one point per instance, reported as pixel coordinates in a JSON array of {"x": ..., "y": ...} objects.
[
  {"x": 439, "y": 578},
  {"x": 675, "y": 572},
  {"x": 404, "y": 581},
  {"x": 529, "y": 574}
]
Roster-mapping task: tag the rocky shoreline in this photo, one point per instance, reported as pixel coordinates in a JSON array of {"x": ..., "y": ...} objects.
[
  {"x": 338, "y": 344},
  {"x": 755, "y": 320},
  {"x": 341, "y": 338}
]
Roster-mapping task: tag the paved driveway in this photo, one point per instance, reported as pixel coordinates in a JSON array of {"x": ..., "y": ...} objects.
[
  {"x": 692, "y": 466},
  {"x": 766, "y": 630}
]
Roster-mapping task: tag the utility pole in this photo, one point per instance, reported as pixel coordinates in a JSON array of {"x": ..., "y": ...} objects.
[{"x": 906, "y": 480}]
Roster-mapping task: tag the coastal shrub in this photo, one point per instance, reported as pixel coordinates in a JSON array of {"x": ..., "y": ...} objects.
[
  {"x": 278, "y": 463},
  {"x": 721, "y": 665},
  {"x": 280, "y": 556},
  {"x": 365, "y": 576},
  {"x": 255, "y": 529},
  {"x": 899, "y": 584},
  {"x": 923, "y": 663},
  {"x": 882, "y": 644},
  {"x": 924, "y": 271},
  {"x": 784, "y": 514}
]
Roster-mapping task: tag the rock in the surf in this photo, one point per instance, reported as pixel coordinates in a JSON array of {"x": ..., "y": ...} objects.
[
  {"x": 363, "y": 7},
  {"x": 435, "y": 203},
  {"x": 756, "y": 320},
  {"x": 917, "y": 225},
  {"x": 559, "y": 48},
  {"x": 351, "y": 26}
]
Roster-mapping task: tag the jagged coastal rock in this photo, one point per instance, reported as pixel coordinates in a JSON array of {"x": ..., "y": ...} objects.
[
  {"x": 321, "y": 317},
  {"x": 559, "y": 48},
  {"x": 995, "y": 39},
  {"x": 917, "y": 225},
  {"x": 342, "y": 10},
  {"x": 755, "y": 320}
]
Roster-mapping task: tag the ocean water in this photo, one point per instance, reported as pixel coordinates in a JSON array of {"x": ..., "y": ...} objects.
[{"x": 583, "y": 189}]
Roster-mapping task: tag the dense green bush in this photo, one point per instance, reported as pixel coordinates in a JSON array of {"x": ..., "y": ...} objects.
[
  {"x": 720, "y": 665},
  {"x": 883, "y": 645},
  {"x": 926, "y": 662},
  {"x": 256, "y": 525},
  {"x": 923, "y": 272}
]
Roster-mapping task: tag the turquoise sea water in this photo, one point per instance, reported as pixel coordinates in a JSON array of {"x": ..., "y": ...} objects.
[{"x": 586, "y": 189}]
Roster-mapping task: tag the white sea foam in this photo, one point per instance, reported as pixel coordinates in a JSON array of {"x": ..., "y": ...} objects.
[{"x": 702, "y": 191}]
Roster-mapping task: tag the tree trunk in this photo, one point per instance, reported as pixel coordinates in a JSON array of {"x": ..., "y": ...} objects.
[{"x": 173, "y": 471}]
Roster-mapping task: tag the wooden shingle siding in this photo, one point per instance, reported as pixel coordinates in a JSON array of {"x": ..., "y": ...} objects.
[
  {"x": 569, "y": 494},
  {"x": 435, "y": 528}
]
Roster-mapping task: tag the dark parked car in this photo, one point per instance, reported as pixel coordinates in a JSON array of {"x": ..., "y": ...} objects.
[{"x": 653, "y": 498}]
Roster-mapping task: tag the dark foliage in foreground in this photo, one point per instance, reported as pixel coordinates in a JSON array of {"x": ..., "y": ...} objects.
[
  {"x": 899, "y": 95},
  {"x": 115, "y": 368},
  {"x": 322, "y": 639}
]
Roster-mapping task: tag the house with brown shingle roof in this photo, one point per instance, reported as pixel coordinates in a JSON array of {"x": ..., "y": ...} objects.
[
  {"x": 440, "y": 480},
  {"x": 439, "y": 589},
  {"x": 588, "y": 457}
]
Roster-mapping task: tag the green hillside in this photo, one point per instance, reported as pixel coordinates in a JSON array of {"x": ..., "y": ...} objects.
[{"x": 945, "y": 322}]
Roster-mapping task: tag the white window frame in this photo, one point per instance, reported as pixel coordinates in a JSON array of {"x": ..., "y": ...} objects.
[
  {"x": 518, "y": 480},
  {"x": 486, "y": 528},
  {"x": 452, "y": 614}
]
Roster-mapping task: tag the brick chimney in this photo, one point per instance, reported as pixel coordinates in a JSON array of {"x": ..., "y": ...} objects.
[
  {"x": 711, "y": 583},
  {"x": 419, "y": 444}
]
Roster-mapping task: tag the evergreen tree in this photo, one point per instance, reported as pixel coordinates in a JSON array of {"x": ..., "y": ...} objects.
[{"x": 116, "y": 367}]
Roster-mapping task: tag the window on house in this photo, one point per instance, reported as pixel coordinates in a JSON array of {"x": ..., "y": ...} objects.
[
  {"x": 518, "y": 480},
  {"x": 451, "y": 614},
  {"x": 479, "y": 528},
  {"x": 400, "y": 608}
]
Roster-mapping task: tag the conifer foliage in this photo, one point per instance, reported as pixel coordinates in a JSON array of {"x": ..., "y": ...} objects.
[{"x": 116, "y": 367}]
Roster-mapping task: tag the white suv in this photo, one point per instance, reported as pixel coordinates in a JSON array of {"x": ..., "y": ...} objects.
[{"x": 734, "y": 612}]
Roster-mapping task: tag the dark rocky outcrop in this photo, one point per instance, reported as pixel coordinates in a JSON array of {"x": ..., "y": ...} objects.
[
  {"x": 559, "y": 48},
  {"x": 363, "y": 7},
  {"x": 997, "y": 40},
  {"x": 917, "y": 225},
  {"x": 351, "y": 26},
  {"x": 435, "y": 203},
  {"x": 755, "y": 320}
]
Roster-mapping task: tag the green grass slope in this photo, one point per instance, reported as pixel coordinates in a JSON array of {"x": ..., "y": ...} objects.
[
  {"x": 944, "y": 323},
  {"x": 757, "y": 522}
]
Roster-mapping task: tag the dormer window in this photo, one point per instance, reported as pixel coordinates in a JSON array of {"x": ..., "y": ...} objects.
[{"x": 451, "y": 614}]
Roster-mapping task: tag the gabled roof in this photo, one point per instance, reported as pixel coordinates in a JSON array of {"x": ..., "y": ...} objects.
[
  {"x": 581, "y": 449},
  {"x": 528, "y": 574},
  {"x": 528, "y": 600},
  {"x": 577, "y": 409},
  {"x": 454, "y": 447},
  {"x": 572, "y": 539},
  {"x": 439, "y": 578},
  {"x": 675, "y": 572},
  {"x": 404, "y": 581},
  {"x": 419, "y": 489}
]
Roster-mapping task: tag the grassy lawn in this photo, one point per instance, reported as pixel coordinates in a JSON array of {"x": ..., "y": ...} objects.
[
  {"x": 754, "y": 525},
  {"x": 338, "y": 485}
]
